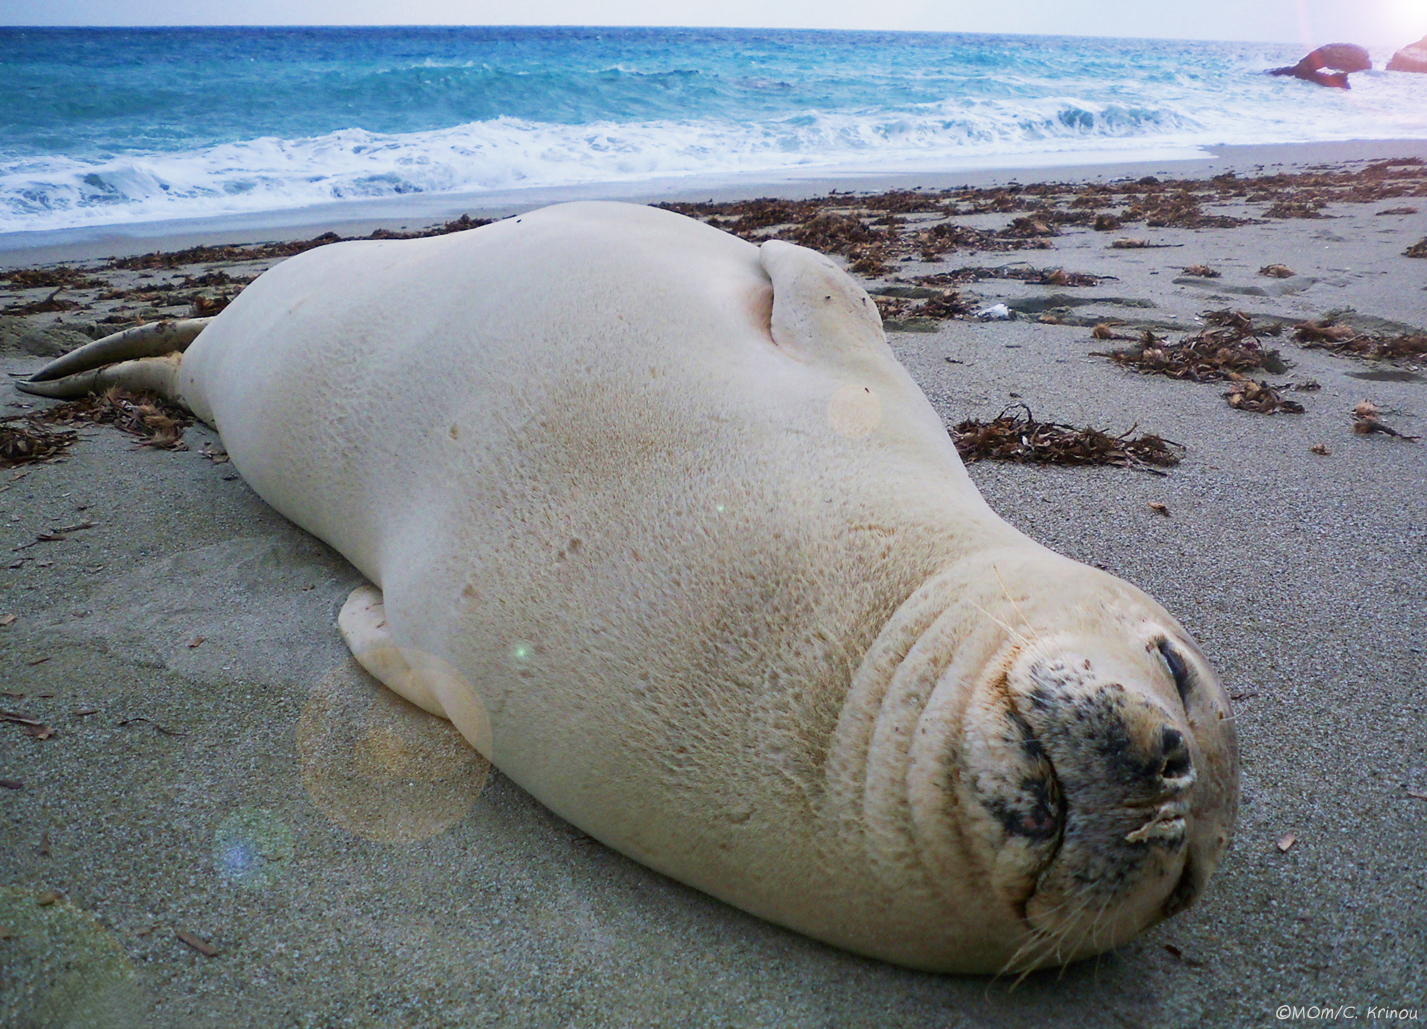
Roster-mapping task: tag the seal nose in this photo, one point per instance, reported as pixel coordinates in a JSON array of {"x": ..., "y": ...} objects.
[{"x": 1176, "y": 767}]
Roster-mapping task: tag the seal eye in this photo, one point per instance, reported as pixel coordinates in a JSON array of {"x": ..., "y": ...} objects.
[{"x": 1174, "y": 660}]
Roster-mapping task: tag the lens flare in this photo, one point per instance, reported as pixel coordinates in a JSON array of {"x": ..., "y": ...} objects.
[
  {"x": 382, "y": 768},
  {"x": 62, "y": 968},
  {"x": 252, "y": 847}
]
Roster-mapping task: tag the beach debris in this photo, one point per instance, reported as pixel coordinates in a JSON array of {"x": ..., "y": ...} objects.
[
  {"x": 1226, "y": 351},
  {"x": 1368, "y": 426},
  {"x": 1260, "y": 397},
  {"x": 1179, "y": 955},
  {"x": 1102, "y": 330},
  {"x": 49, "y": 304},
  {"x": 1417, "y": 794},
  {"x": 1130, "y": 244},
  {"x": 1344, "y": 339},
  {"x": 197, "y": 641},
  {"x": 47, "y": 897},
  {"x": 1286, "y": 842},
  {"x": 995, "y": 313},
  {"x": 1320, "y": 449},
  {"x": 1277, "y": 271},
  {"x": 1397, "y": 211},
  {"x": 1015, "y": 435},
  {"x": 1029, "y": 228},
  {"x": 1310, "y": 208},
  {"x": 1366, "y": 421},
  {"x": 903, "y": 312},
  {"x": 1179, "y": 209},
  {"x": 236, "y": 253},
  {"x": 1023, "y": 272},
  {"x": 6, "y": 620},
  {"x": 11, "y": 784},
  {"x": 1158, "y": 508},
  {"x": 198, "y": 943},
  {"x": 25, "y": 438},
  {"x": 1418, "y": 249},
  {"x": 32, "y": 727},
  {"x": 1202, "y": 271},
  {"x": 154, "y": 420},
  {"x": 207, "y": 307},
  {"x": 1106, "y": 222},
  {"x": 164, "y": 730}
]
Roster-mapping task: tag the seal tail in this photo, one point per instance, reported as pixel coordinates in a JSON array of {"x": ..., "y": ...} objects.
[{"x": 145, "y": 357}]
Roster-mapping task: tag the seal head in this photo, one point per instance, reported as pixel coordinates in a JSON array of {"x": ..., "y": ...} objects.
[{"x": 1097, "y": 781}]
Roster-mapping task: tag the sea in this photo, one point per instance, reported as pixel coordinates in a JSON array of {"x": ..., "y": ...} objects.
[{"x": 115, "y": 126}]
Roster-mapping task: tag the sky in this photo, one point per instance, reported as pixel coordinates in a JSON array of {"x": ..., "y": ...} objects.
[{"x": 1311, "y": 22}]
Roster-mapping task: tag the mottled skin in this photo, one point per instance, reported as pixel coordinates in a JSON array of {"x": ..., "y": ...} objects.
[{"x": 656, "y": 518}]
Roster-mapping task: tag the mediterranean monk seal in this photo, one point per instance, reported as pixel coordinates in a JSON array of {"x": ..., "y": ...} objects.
[{"x": 655, "y": 517}]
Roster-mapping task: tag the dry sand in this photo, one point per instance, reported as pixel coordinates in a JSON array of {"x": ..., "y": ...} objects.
[{"x": 220, "y": 769}]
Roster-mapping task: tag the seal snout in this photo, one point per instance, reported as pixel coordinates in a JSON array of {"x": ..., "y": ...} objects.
[{"x": 1087, "y": 774}]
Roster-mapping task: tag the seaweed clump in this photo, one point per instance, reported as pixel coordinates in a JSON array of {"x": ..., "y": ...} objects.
[
  {"x": 1227, "y": 351},
  {"x": 1344, "y": 339},
  {"x": 155, "y": 421},
  {"x": 25, "y": 439},
  {"x": 1015, "y": 435}
]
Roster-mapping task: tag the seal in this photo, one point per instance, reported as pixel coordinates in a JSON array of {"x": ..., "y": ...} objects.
[{"x": 656, "y": 519}]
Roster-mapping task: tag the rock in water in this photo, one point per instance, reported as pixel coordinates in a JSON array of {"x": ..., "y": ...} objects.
[
  {"x": 1410, "y": 58},
  {"x": 1347, "y": 57},
  {"x": 1329, "y": 65}
]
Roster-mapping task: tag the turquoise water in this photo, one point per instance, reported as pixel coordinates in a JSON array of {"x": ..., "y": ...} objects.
[{"x": 102, "y": 126}]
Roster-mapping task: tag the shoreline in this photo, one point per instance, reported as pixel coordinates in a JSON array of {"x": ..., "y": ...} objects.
[{"x": 411, "y": 212}]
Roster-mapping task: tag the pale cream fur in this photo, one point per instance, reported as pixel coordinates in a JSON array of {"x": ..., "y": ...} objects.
[{"x": 687, "y": 533}]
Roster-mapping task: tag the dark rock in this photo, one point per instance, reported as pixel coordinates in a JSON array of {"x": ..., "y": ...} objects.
[
  {"x": 1329, "y": 65},
  {"x": 1410, "y": 58}
]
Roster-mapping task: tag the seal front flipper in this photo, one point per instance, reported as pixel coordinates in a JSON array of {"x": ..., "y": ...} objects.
[
  {"x": 819, "y": 313},
  {"x": 432, "y": 684}
]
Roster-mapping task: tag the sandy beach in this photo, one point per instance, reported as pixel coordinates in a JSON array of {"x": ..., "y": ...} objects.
[{"x": 211, "y": 817}]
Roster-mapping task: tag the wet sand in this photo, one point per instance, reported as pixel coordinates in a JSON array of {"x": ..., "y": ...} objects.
[{"x": 219, "y": 768}]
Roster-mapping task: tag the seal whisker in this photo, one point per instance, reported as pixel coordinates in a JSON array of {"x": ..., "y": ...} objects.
[
  {"x": 1014, "y": 606},
  {"x": 1012, "y": 631}
]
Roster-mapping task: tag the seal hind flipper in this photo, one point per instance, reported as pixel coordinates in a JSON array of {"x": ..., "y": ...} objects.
[
  {"x": 154, "y": 374},
  {"x": 432, "y": 684},
  {"x": 819, "y": 312},
  {"x": 156, "y": 339},
  {"x": 143, "y": 357}
]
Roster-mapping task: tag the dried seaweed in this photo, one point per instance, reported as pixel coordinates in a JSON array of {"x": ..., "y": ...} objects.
[
  {"x": 1310, "y": 208},
  {"x": 49, "y": 278},
  {"x": 948, "y": 304},
  {"x": 1227, "y": 351},
  {"x": 269, "y": 251},
  {"x": 1418, "y": 249},
  {"x": 1202, "y": 271},
  {"x": 1017, "y": 436},
  {"x": 1261, "y": 398},
  {"x": 1344, "y": 339},
  {"x": 49, "y": 304},
  {"x": 155, "y": 421},
  {"x": 25, "y": 439}
]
